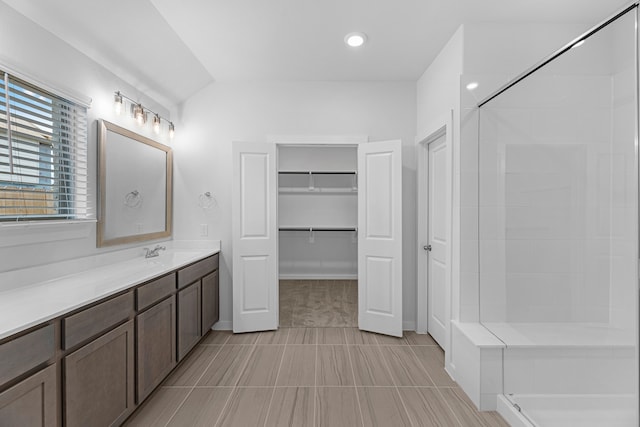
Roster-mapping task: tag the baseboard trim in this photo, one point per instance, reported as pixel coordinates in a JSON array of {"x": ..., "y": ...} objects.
[
  {"x": 511, "y": 414},
  {"x": 318, "y": 277},
  {"x": 223, "y": 325},
  {"x": 409, "y": 325}
]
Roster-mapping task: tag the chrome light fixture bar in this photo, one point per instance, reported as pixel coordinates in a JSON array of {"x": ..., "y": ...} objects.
[{"x": 139, "y": 113}]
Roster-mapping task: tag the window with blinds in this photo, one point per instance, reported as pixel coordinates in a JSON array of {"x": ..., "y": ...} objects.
[{"x": 43, "y": 154}]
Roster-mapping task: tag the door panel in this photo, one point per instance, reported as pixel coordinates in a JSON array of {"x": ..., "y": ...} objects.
[
  {"x": 437, "y": 232},
  {"x": 380, "y": 237},
  {"x": 255, "y": 290}
]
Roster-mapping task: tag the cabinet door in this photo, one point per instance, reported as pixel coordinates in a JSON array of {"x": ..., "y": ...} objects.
[
  {"x": 210, "y": 302},
  {"x": 32, "y": 402},
  {"x": 156, "y": 356},
  {"x": 99, "y": 380},
  {"x": 189, "y": 331}
]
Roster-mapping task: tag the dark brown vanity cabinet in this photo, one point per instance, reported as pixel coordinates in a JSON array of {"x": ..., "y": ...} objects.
[
  {"x": 189, "y": 312},
  {"x": 30, "y": 401},
  {"x": 94, "y": 365},
  {"x": 156, "y": 331},
  {"x": 99, "y": 379},
  {"x": 197, "y": 302},
  {"x": 33, "y": 402},
  {"x": 210, "y": 301}
]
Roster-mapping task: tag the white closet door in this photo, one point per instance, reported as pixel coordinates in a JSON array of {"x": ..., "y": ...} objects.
[
  {"x": 255, "y": 250},
  {"x": 380, "y": 237}
]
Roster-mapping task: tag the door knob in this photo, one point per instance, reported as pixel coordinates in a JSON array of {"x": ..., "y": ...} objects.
[{"x": 427, "y": 248}]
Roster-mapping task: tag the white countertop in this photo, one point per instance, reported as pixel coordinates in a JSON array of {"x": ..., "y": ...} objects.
[{"x": 31, "y": 296}]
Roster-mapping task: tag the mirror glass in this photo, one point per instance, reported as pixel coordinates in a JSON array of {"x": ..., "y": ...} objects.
[{"x": 135, "y": 202}]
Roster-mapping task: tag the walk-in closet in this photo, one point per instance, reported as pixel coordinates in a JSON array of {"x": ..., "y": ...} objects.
[
  {"x": 317, "y": 232},
  {"x": 318, "y": 240}
]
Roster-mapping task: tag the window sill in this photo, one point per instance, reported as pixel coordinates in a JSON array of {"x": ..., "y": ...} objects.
[{"x": 33, "y": 232}]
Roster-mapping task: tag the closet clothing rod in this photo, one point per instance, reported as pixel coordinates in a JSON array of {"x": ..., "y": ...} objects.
[
  {"x": 317, "y": 172},
  {"x": 310, "y": 229}
]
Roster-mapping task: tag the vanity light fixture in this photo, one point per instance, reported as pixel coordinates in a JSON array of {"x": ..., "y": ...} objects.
[
  {"x": 156, "y": 124},
  {"x": 139, "y": 112},
  {"x": 355, "y": 39},
  {"x": 118, "y": 101}
]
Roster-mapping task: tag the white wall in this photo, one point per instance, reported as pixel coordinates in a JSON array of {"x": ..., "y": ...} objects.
[
  {"x": 226, "y": 112},
  {"x": 438, "y": 100},
  {"x": 30, "y": 50}
]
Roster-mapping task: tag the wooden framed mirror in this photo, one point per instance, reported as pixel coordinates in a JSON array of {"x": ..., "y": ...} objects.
[{"x": 135, "y": 201}]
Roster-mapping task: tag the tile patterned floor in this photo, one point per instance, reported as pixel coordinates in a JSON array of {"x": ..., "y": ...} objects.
[
  {"x": 312, "y": 377},
  {"x": 318, "y": 303}
]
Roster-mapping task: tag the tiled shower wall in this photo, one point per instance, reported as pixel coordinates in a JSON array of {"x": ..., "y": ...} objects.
[{"x": 556, "y": 190}]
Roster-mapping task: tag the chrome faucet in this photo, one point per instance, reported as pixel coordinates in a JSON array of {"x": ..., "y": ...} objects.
[{"x": 150, "y": 253}]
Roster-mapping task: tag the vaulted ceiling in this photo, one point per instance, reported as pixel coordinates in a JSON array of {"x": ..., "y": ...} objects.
[{"x": 178, "y": 47}]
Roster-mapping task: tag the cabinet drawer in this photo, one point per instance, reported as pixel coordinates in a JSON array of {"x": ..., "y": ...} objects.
[
  {"x": 26, "y": 352},
  {"x": 155, "y": 291},
  {"x": 87, "y": 323},
  {"x": 195, "y": 271}
]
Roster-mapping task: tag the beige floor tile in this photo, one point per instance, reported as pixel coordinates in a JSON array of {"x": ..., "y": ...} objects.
[
  {"x": 337, "y": 407},
  {"x": 302, "y": 336},
  {"x": 158, "y": 408},
  {"x": 405, "y": 367},
  {"x": 273, "y": 337},
  {"x": 331, "y": 336},
  {"x": 333, "y": 366},
  {"x": 432, "y": 358},
  {"x": 382, "y": 406},
  {"x": 466, "y": 411},
  {"x": 248, "y": 406},
  {"x": 227, "y": 366},
  {"x": 262, "y": 366},
  {"x": 389, "y": 340},
  {"x": 419, "y": 339},
  {"x": 298, "y": 366},
  {"x": 202, "y": 408},
  {"x": 369, "y": 367},
  {"x": 191, "y": 369},
  {"x": 217, "y": 337},
  {"x": 427, "y": 408},
  {"x": 291, "y": 406},
  {"x": 356, "y": 336},
  {"x": 244, "y": 338}
]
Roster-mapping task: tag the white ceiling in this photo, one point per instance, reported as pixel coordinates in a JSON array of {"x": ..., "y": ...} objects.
[{"x": 170, "y": 49}]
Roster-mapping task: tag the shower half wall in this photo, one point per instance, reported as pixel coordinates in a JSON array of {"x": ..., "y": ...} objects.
[{"x": 558, "y": 232}]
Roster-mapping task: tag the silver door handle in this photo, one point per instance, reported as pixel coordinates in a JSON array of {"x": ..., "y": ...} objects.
[{"x": 427, "y": 248}]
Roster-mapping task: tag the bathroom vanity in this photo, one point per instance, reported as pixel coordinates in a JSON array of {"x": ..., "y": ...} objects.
[{"x": 89, "y": 347}]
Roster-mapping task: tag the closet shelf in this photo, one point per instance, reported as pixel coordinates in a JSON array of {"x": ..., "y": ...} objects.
[
  {"x": 311, "y": 229},
  {"x": 318, "y": 172},
  {"x": 324, "y": 190}
]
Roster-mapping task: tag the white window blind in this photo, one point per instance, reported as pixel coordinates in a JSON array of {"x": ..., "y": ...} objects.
[{"x": 43, "y": 154}]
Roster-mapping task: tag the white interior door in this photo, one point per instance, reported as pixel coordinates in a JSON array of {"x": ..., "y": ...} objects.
[
  {"x": 255, "y": 246},
  {"x": 437, "y": 244},
  {"x": 380, "y": 237}
]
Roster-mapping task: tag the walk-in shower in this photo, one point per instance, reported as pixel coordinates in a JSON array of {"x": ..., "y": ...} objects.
[{"x": 558, "y": 231}]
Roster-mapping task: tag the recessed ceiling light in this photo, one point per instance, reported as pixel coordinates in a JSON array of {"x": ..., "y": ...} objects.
[
  {"x": 355, "y": 39},
  {"x": 472, "y": 86}
]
